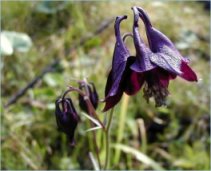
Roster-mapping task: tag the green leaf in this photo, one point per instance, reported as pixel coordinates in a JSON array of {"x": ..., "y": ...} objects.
[
  {"x": 53, "y": 79},
  {"x": 93, "y": 120},
  {"x": 15, "y": 41},
  {"x": 94, "y": 161},
  {"x": 5, "y": 45}
]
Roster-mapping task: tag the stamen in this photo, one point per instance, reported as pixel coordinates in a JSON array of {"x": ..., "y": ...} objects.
[{"x": 157, "y": 92}]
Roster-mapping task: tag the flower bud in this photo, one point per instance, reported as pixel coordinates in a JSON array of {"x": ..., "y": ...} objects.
[
  {"x": 66, "y": 118},
  {"x": 91, "y": 93}
]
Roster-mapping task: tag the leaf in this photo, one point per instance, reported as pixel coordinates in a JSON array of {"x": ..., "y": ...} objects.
[
  {"x": 54, "y": 79},
  {"x": 93, "y": 120},
  {"x": 18, "y": 41},
  {"x": 94, "y": 162},
  {"x": 5, "y": 45},
  {"x": 94, "y": 128},
  {"x": 139, "y": 156}
]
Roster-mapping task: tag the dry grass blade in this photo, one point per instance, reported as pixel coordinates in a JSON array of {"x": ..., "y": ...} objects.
[
  {"x": 139, "y": 156},
  {"x": 94, "y": 121}
]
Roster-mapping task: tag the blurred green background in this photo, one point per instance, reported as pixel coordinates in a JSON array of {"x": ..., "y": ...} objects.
[{"x": 172, "y": 137}]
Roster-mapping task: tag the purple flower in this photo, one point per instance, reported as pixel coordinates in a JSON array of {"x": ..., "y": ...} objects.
[
  {"x": 66, "y": 118},
  {"x": 121, "y": 78},
  {"x": 167, "y": 56},
  {"x": 158, "y": 64},
  {"x": 92, "y": 94}
]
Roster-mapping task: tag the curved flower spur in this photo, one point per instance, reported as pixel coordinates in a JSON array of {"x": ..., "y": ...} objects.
[
  {"x": 121, "y": 78},
  {"x": 158, "y": 64}
]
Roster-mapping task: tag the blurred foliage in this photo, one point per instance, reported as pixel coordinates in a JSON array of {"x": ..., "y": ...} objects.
[{"x": 177, "y": 136}]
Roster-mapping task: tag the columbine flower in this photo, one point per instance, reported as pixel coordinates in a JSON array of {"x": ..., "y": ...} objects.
[
  {"x": 168, "y": 57},
  {"x": 158, "y": 64},
  {"x": 66, "y": 118},
  {"x": 121, "y": 78},
  {"x": 91, "y": 93}
]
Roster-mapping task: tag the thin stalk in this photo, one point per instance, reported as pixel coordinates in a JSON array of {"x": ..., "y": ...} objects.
[
  {"x": 91, "y": 111},
  {"x": 96, "y": 149},
  {"x": 94, "y": 163},
  {"x": 107, "y": 137},
  {"x": 121, "y": 126},
  {"x": 142, "y": 132}
]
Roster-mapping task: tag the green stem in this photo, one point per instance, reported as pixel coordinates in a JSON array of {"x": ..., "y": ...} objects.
[
  {"x": 107, "y": 130},
  {"x": 121, "y": 126},
  {"x": 96, "y": 149},
  {"x": 142, "y": 132}
]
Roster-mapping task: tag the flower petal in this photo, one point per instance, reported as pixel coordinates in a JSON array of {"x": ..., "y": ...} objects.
[
  {"x": 67, "y": 118},
  {"x": 133, "y": 80},
  {"x": 120, "y": 56},
  {"x": 187, "y": 73},
  {"x": 134, "y": 84},
  {"x": 108, "y": 84},
  {"x": 163, "y": 77},
  {"x": 130, "y": 83},
  {"x": 169, "y": 57},
  {"x": 94, "y": 96},
  {"x": 156, "y": 38},
  {"x": 167, "y": 60},
  {"x": 111, "y": 101}
]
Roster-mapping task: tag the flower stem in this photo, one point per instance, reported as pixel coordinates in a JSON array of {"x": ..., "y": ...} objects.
[
  {"x": 107, "y": 130},
  {"x": 121, "y": 126},
  {"x": 91, "y": 113},
  {"x": 96, "y": 149}
]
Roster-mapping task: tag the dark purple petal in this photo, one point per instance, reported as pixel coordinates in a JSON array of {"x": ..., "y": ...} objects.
[
  {"x": 67, "y": 118},
  {"x": 156, "y": 39},
  {"x": 134, "y": 84},
  {"x": 133, "y": 81},
  {"x": 108, "y": 84},
  {"x": 120, "y": 56},
  {"x": 82, "y": 102},
  {"x": 143, "y": 53},
  {"x": 168, "y": 61},
  {"x": 112, "y": 100},
  {"x": 93, "y": 96},
  {"x": 163, "y": 77}
]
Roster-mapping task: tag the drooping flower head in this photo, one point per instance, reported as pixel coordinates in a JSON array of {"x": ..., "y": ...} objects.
[
  {"x": 121, "y": 78},
  {"x": 155, "y": 65},
  {"x": 168, "y": 58},
  {"x": 66, "y": 118},
  {"x": 92, "y": 94}
]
